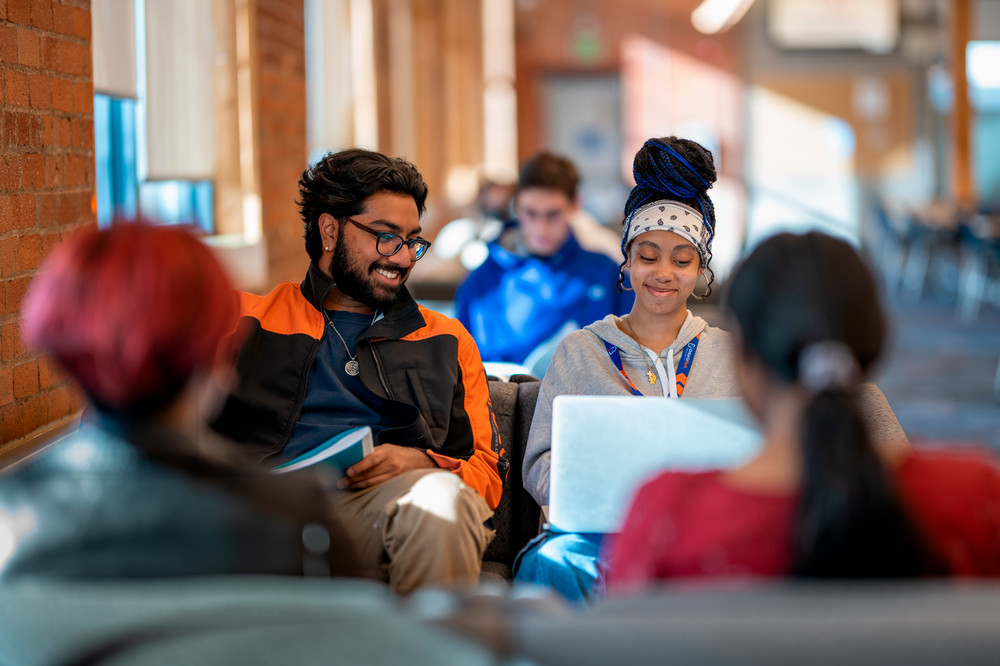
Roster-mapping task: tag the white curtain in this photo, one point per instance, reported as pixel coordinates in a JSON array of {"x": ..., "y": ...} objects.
[
  {"x": 180, "y": 89},
  {"x": 113, "y": 39}
]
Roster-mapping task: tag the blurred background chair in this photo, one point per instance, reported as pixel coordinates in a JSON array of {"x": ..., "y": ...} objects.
[
  {"x": 890, "y": 243},
  {"x": 932, "y": 235},
  {"x": 979, "y": 242}
]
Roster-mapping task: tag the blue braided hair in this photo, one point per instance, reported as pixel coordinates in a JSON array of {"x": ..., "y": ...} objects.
[{"x": 676, "y": 170}]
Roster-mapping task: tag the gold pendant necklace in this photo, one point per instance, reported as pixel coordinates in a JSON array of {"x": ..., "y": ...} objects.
[{"x": 650, "y": 373}]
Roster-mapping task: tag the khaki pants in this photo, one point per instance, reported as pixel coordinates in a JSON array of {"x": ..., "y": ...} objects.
[{"x": 421, "y": 528}]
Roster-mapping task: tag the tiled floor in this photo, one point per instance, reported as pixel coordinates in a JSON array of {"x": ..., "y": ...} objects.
[
  {"x": 940, "y": 376},
  {"x": 937, "y": 375}
]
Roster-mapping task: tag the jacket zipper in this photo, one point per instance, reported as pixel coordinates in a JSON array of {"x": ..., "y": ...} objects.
[
  {"x": 381, "y": 372},
  {"x": 300, "y": 398}
]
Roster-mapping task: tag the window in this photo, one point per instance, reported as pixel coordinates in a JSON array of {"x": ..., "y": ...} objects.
[
  {"x": 114, "y": 151},
  {"x": 165, "y": 177}
]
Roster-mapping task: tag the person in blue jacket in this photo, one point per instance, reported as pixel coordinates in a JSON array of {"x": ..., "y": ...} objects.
[{"x": 537, "y": 284}]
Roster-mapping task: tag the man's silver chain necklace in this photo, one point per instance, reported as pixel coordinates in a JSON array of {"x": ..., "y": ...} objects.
[{"x": 351, "y": 367}]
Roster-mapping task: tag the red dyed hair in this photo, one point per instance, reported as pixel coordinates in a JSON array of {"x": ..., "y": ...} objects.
[{"x": 131, "y": 313}]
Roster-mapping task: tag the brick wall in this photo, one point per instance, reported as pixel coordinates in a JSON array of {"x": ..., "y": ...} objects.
[
  {"x": 281, "y": 109},
  {"x": 46, "y": 189}
]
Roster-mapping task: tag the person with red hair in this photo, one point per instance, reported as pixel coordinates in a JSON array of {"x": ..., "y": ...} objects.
[
  {"x": 133, "y": 314},
  {"x": 142, "y": 317}
]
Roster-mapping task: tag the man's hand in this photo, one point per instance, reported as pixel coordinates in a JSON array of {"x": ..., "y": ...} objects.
[{"x": 385, "y": 462}]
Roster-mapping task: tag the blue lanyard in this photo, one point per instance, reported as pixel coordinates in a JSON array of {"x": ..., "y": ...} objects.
[{"x": 687, "y": 359}]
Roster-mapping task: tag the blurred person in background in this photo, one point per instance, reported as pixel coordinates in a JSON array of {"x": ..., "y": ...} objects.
[
  {"x": 819, "y": 501},
  {"x": 465, "y": 240},
  {"x": 349, "y": 347},
  {"x": 537, "y": 282},
  {"x": 141, "y": 317},
  {"x": 460, "y": 246}
]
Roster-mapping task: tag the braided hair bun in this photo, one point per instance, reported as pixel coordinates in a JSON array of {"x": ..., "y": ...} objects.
[{"x": 673, "y": 169}]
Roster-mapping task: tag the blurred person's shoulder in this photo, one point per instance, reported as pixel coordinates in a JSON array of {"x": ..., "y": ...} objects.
[
  {"x": 953, "y": 495},
  {"x": 958, "y": 465}
]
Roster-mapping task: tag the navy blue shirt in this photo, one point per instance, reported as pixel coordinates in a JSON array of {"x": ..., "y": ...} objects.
[{"x": 336, "y": 401}]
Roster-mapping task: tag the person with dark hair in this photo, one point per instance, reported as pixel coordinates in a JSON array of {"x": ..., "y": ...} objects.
[
  {"x": 659, "y": 348},
  {"x": 142, "y": 318},
  {"x": 537, "y": 283},
  {"x": 819, "y": 501},
  {"x": 350, "y": 347},
  {"x": 461, "y": 245}
]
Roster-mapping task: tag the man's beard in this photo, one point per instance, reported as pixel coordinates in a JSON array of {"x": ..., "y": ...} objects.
[{"x": 354, "y": 281}]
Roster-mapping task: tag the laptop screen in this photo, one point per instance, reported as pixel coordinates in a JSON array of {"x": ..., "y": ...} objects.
[{"x": 605, "y": 447}]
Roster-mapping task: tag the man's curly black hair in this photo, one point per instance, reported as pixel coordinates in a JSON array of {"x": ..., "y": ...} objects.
[{"x": 340, "y": 183}]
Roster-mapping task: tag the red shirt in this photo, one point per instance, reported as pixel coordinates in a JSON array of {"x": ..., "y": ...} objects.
[{"x": 684, "y": 525}]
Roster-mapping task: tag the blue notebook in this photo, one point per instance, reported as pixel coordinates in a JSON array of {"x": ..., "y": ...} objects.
[{"x": 341, "y": 451}]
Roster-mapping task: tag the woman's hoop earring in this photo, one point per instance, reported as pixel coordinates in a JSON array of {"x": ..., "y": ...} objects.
[
  {"x": 621, "y": 280},
  {"x": 708, "y": 286}
]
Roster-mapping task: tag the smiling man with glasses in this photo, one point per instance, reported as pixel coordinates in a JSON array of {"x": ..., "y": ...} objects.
[{"x": 350, "y": 347}]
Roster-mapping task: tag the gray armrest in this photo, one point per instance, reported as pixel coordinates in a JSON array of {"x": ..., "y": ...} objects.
[{"x": 911, "y": 622}]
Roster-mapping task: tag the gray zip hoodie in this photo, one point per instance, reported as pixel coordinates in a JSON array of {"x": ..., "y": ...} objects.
[{"x": 581, "y": 366}]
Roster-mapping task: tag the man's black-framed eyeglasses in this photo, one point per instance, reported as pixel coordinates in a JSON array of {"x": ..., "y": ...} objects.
[{"x": 388, "y": 244}]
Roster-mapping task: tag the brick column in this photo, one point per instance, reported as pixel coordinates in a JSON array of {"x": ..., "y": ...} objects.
[
  {"x": 46, "y": 189},
  {"x": 281, "y": 119}
]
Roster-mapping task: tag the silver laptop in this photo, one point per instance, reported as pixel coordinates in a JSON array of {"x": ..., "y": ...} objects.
[{"x": 605, "y": 447}]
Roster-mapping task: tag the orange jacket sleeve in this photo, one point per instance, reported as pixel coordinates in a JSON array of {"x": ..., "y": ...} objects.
[{"x": 482, "y": 471}]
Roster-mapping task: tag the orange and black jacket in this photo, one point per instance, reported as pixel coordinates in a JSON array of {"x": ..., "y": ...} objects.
[{"x": 424, "y": 365}]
